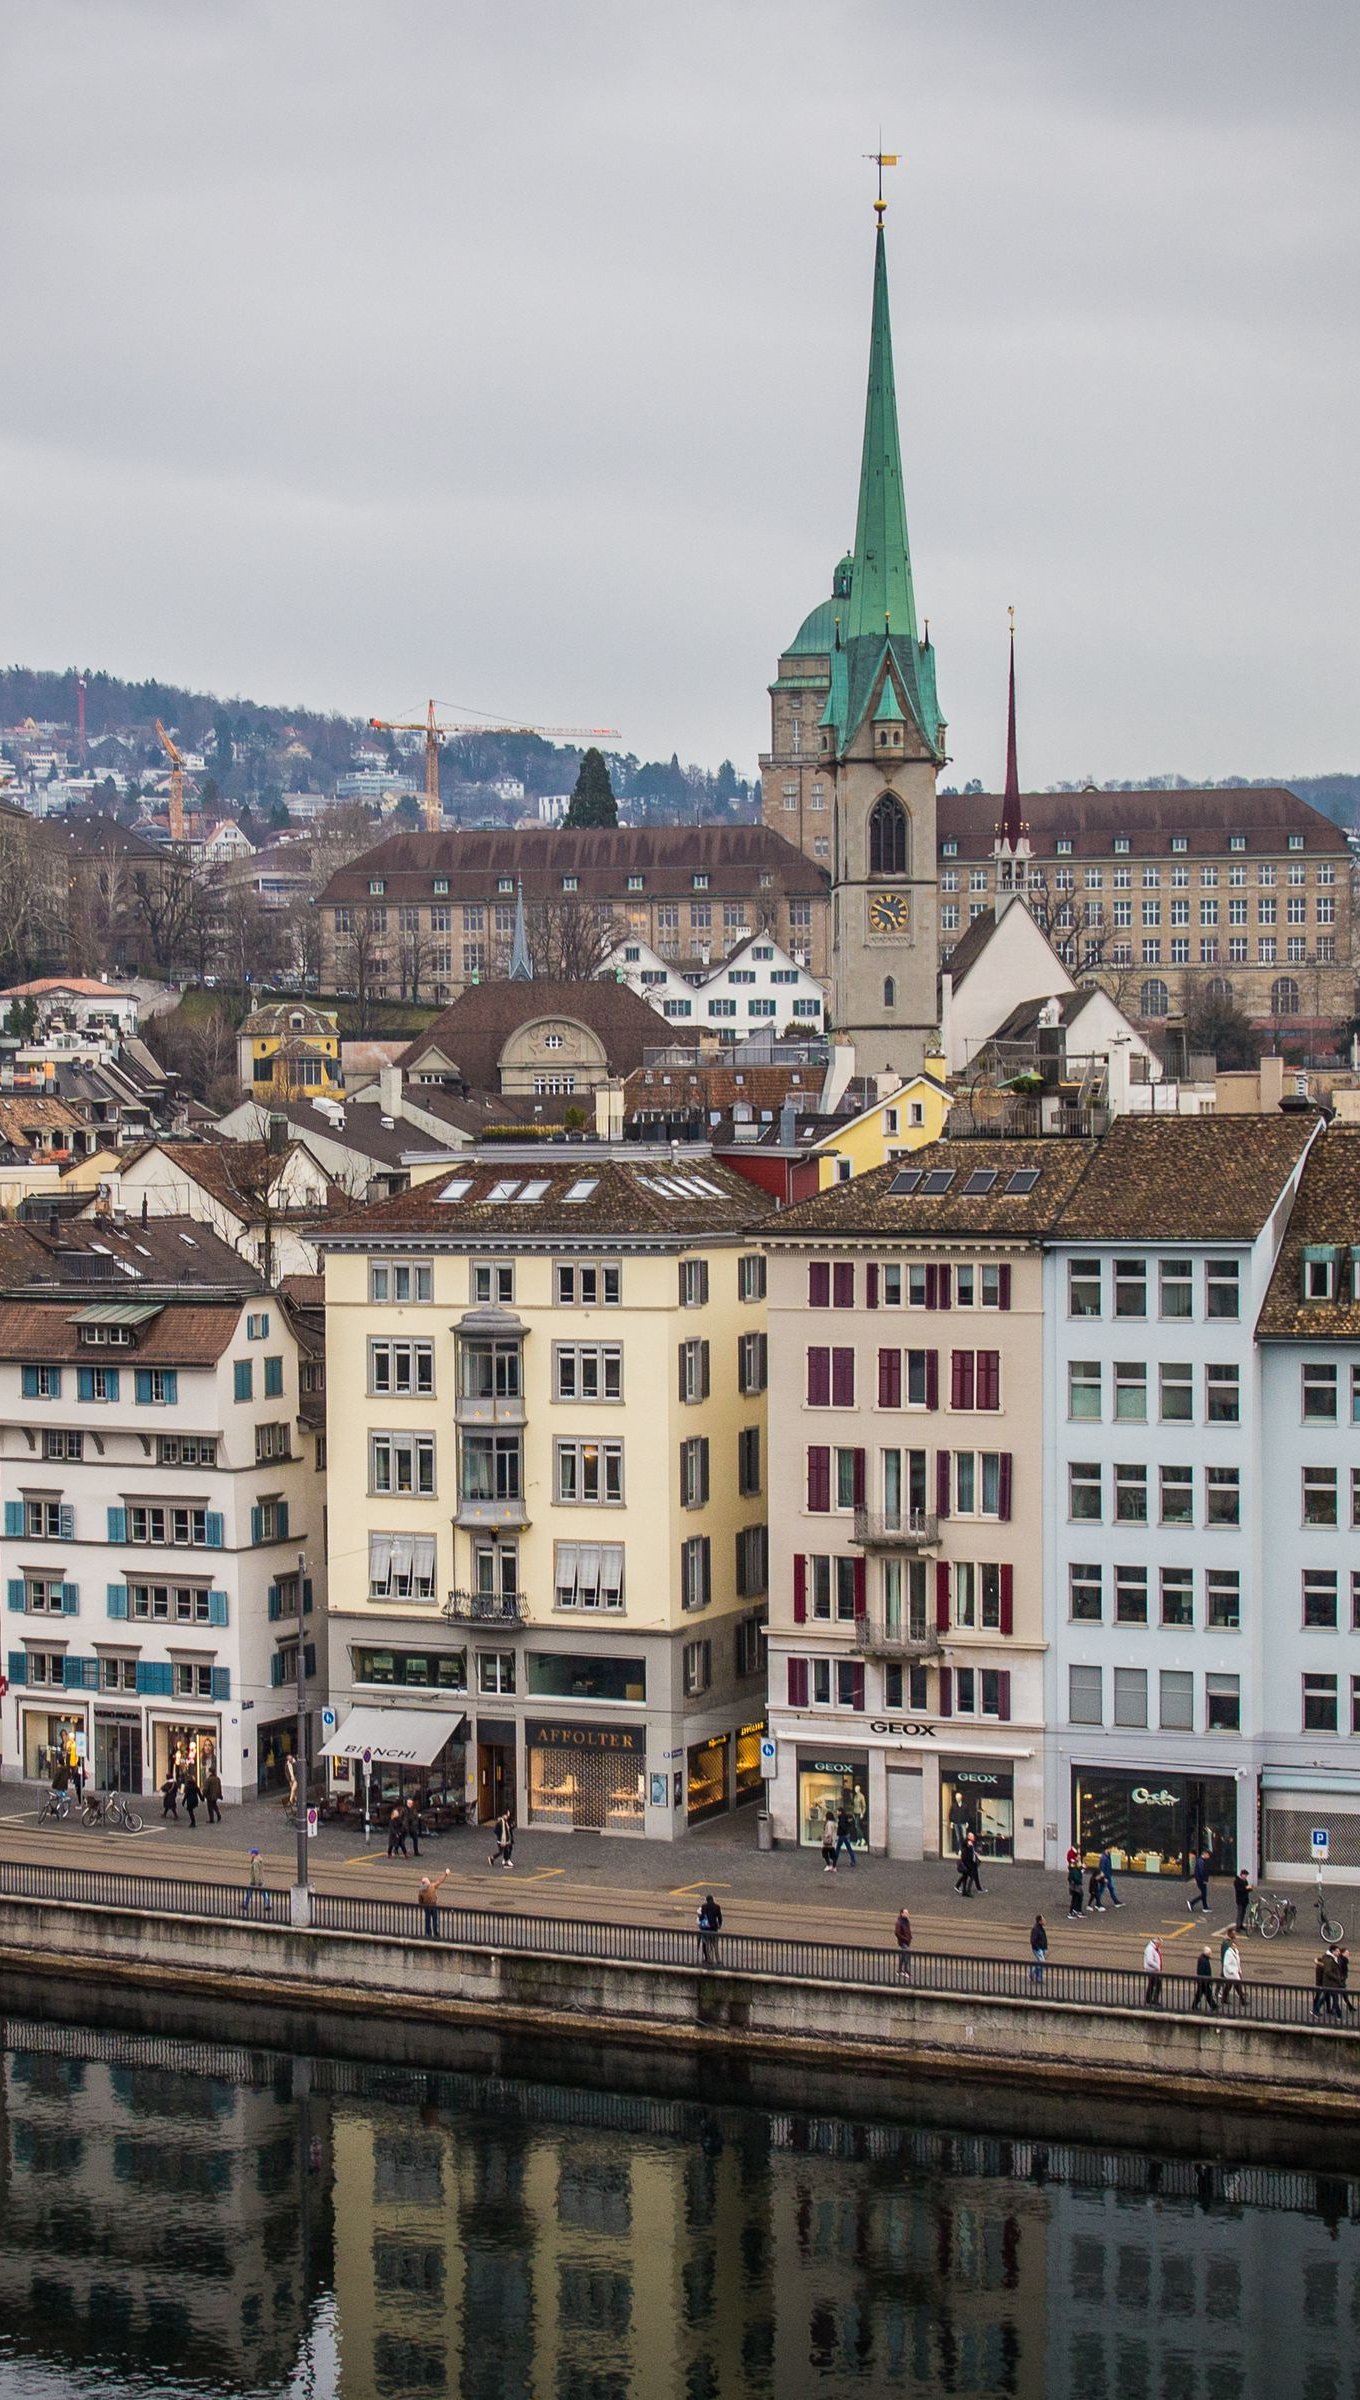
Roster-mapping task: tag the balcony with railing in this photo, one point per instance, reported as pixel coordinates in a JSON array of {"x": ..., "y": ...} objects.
[
  {"x": 486, "y": 1608},
  {"x": 895, "y": 1529},
  {"x": 897, "y": 1637}
]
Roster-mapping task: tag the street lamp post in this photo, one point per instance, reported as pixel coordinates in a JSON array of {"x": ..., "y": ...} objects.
[{"x": 302, "y": 1899}]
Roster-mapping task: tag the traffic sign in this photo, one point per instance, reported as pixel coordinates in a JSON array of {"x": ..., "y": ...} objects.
[
  {"x": 1320, "y": 1844},
  {"x": 327, "y": 1721},
  {"x": 769, "y": 1759},
  {"x": 313, "y": 1820}
]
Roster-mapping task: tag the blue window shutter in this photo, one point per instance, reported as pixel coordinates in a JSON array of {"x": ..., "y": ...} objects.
[
  {"x": 154, "y": 1679},
  {"x": 275, "y": 1604},
  {"x": 82, "y": 1674},
  {"x": 113, "y": 1377},
  {"x": 242, "y": 1378},
  {"x": 116, "y": 1597},
  {"x": 142, "y": 1384},
  {"x": 214, "y": 1529},
  {"x": 221, "y": 1683},
  {"x": 118, "y": 1525},
  {"x": 70, "y": 1599},
  {"x": 309, "y": 1659},
  {"x": 276, "y": 1669},
  {"x": 171, "y": 1380},
  {"x": 85, "y": 1383},
  {"x": 18, "y": 1597},
  {"x": 217, "y": 1608},
  {"x": 281, "y": 1515},
  {"x": 273, "y": 1378},
  {"x": 14, "y": 1520},
  {"x": 18, "y": 1666},
  {"x": 257, "y": 1524},
  {"x": 67, "y": 1522},
  {"x": 29, "y": 1382}
]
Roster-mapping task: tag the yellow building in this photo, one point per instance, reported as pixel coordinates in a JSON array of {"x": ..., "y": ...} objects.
[
  {"x": 902, "y": 1120},
  {"x": 289, "y": 1047},
  {"x": 547, "y": 1469}
]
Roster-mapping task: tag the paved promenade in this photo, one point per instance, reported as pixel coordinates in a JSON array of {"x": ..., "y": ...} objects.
[{"x": 785, "y": 1892}]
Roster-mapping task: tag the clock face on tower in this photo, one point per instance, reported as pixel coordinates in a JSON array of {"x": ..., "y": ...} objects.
[{"x": 889, "y": 912}]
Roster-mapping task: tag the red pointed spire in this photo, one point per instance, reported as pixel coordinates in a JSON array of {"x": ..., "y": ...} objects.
[{"x": 1012, "y": 828}]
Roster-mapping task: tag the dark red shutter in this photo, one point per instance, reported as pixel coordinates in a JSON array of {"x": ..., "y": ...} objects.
[
  {"x": 871, "y": 1287},
  {"x": 1003, "y": 1505},
  {"x": 819, "y": 1283},
  {"x": 961, "y": 1379},
  {"x": 842, "y": 1378},
  {"x": 946, "y": 1280},
  {"x": 819, "y": 1378},
  {"x": 942, "y": 1483},
  {"x": 859, "y": 1478},
  {"x": 1003, "y": 1696},
  {"x": 932, "y": 1287},
  {"x": 946, "y": 1690},
  {"x": 941, "y": 1595},
  {"x": 861, "y": 1587},
  {"x": 818, "y": 1481},
  {"x": 800, "y": 1590},
  {"x": 857, "y": 1686},
  {"x": 842, "y": 1285},
  {"x": 890, "y": 1379},
  {"x": 798, "y": 1683},
  {"x": 989, "y": 1379},
  {"x": 932, "y": 1379},
  {"x": 1008, "y": 1602},
  {"x": 1003, "y": 1281}
]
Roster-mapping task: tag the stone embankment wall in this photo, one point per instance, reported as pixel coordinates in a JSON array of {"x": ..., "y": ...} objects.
[{"x": 1040, "y": 2044}]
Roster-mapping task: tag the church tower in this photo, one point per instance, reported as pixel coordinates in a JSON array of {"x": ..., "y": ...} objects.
[
  {"x": 857, "y": 743},
  {"x": 1011, "y": 849}
]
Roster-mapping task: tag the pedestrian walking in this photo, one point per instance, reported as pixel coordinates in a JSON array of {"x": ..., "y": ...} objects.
[
  {"x": 1107, "y": 1878},
  {"x": 846, "y": 1830},
  {"x": 78, "y": 1778},
  {"x": 504, "y": 1853},
  {"x": 212, "y": 1793},
  {"x": 709, "y": 1921},
  {"x": 193, "y": 1799},
  {"x": 1241, "y": 1895},
  {"x": 1038, "y": 1944},
  {"x": 1327, "y": 1980},
  {"x": 972, "y": 1865},
  {"x": 902, "y": 1931},
  {"x": 1232, "y": 1989},
  {"x": 170, "y": 1797},
  {"x": 396, "y": 1834},
  {"x": 1152, "y": 1968},
  {"x": 1343, "y": 1962},
  {"x": 428, "y": 1903},
  {"x": 414, "y": 1827},
  {"x": 1094, "y": 1886},
  {"x": 254, "y": 1884},
  {"x": 1074, "y": 1885},
  {"x": 1201, "y": 1874},
  {"x": 829, "y": 1843},
  {"x": 1204, "y": 1983}
]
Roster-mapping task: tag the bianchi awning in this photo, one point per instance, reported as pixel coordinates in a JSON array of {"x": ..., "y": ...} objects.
[{"x": 399, "y": 1737}]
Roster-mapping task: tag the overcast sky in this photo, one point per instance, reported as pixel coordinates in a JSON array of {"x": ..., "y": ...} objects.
[{"x": 353, "y": 351}]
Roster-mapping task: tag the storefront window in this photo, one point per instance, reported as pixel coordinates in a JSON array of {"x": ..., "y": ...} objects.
[
  {"x": 184, "y": 1746},
  {"x": 586, "y": 1778},
  {"x": 828, "y": 1785},
  {"x": 117, "y": 1752},
  {"x": 50, "y": 1741},
  {"x": 750, "y": 1781},
  {"x": 706, "y": 1778},
  {"x": 1153, "y": 1823},
  {"x": 417, "y": 1670},
  {"x": 979, "y": 1800},
  {"x": 576, "y": 1675}
]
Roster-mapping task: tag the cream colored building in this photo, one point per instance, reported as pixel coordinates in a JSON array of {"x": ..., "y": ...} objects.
[
  {"x": 547, "y": 1470},
  {"x": 906, "y": 1500}
]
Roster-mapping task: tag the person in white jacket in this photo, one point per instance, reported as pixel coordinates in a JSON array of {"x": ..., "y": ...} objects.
[
  {"x": 1233, "y": 1985},
  {"x": 1152, "y": 1967}
]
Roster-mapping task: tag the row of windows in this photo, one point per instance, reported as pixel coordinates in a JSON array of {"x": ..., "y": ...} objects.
[
  {"x": 832, "y": 1283},
  {"x": 1128, "y": 1287},
  {"x": 1221, "y": 1709},
  {"x": 1064, "y": 878},
  {"x": 1175, "y": 1391},
  {"x": 968, "y": 1483},
  {"x": 576, "y": 1284},
  {"x": 1133, "y": 1487},
  {"x": 154, "y": 1387},
  {"x": 180, "y": 1679},
  {"x": 1134, "y": 1591},
  {"x": 842, "y": 1684},
  {"x": 907, "y": 1378},
  {"x": 966, "y": 1595},
  {"x": 1121, "y": 845}
]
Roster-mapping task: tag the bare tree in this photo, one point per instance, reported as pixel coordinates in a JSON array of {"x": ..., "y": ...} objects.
[
  {"x": 300, "y": 942},
  {"x": 414, "y": 958},
  {"x": 164, "y": 895},
  {"x": 246, "y": 939},
  {"x": 570, "y": 940},
  {"x": 361, "y": 966}
]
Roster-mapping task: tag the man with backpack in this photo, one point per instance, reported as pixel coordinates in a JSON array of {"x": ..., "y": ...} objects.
[{"x": 709, "y": 1921}]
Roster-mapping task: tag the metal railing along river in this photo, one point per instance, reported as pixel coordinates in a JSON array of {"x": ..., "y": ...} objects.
[{"x": 848, "y": 1964}]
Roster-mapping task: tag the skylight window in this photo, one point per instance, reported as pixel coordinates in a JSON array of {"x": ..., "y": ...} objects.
[
  {"x": 904, "y": 1184},
  {"x": 458, "y": 1189},
  {"x": 981, "y": 1181},
  {"x": 936, "y": 1182},
  {"x": 536, "y": 1189},
  {"x": 505, "y": 1189},
  {"x": 1023, "y": 1180},
  {"x": 582, "y": 1189}
]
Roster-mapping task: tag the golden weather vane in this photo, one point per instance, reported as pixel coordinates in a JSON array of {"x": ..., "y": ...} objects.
[{"x": 881, "y": 158}]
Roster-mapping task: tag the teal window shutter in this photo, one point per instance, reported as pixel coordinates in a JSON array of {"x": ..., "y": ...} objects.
[
  {"x": 14, "y": 1520},
  {"x": 221, "y": 1683},
  {"x": 142, "y": 1384},
  {"x": 18, "y": 1595},
  {"x": 273, "y": 1378},
  {"x": 217, "y": 1608},
  {"x": 67, "y": 1520},
  {"x": 257, "y": 1524},
  {"x": 309, "y": 1659},
  {"x": 85, "y": 1383},
  {"x": 275, "y": 1604},
  {"x": 214, "y": 1529},
  {"x": 112, "y": 1381},
  {"x": 28, "y": 1380},
  {"x": 276, "y": 1670},
  {"x": 118, "y": 1525},
  {"x": 116, "y": 1596},
  {"x": 306, "y": 1595},
  {"x": 154, "y": 1679},
  {"x": 70, "y": 1599},
  {"x": 281, "y": 1516},
  {"x": 18, "y": 1666},
  {"x": 170, "y": 1383},
  {"x": 243, "y": 1378},
  {"x": 82, "y": 1674}
]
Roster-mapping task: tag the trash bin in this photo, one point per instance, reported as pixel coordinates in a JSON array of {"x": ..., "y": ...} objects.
[{"x": 764, "y": 1830}]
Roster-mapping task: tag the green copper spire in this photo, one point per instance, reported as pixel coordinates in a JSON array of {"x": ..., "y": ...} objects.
[{"x": 881, "y": 597}]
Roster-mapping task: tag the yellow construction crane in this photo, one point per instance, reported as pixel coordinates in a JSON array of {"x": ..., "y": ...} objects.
[
  {"x": 177, "y": 771},
  {"x": 438, "y": 729}
]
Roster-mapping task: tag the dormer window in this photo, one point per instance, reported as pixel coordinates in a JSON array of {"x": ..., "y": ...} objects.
[
  {"x": 701, "y": 883},
  {"x": 376, "y": 887},
  {"x": 1321, "y": 1271},
  {"x": 1237, "y": 841},
  {"x": 1179, "y": 842},
  {"x": 505, "y": 883},
  {"x": 635, "y": 883},
  {"x": 441, "y": 883},
  {"x": 1064, "y": 847},
  {"x": 1296, "y": 841},
  {"x": 1121, "y": 845},
  {"x": 570, "y": 883}
]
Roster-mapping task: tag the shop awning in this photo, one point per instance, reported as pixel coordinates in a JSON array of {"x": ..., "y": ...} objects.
[{"x": 398, "y": 1737}]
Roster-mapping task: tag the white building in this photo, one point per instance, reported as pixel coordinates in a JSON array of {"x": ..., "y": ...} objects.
[
  {"x": 1158, "y": 1595},
  {"x": 157, "y": 1508},
  {"x": 757, "y": 988}
]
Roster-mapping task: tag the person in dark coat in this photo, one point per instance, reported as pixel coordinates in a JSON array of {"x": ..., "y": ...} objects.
[
  {"x": 193, "y": 1798},
  {"x": 1241, "y": 1894},
  {"x": 709, "y": 1921},
  {"x": 396, "y": 1834},
  {"x": 414, "y": 1827},
  {"x": 1201, "y": 1874},
  {"x": 902, "y": 1933},
  {"x": 846, "y": 1830},
  {"x": 212, "y": 1793},
  {"x": 1074, "y": 1887},
  {"x": 170, "y": 1796},
  {"x": 1204, "y": 1983},
  {"x": 1038, "y": 1943}
]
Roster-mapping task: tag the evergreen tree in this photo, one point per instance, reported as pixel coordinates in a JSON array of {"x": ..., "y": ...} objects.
[{"x": 592, "y": 802}]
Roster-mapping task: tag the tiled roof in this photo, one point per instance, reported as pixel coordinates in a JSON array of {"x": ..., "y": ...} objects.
[
  {"x": 277, "y": 1018},
  {"x": 363, "y": 1131},
  {"x": 87, "y": 987},
  {"x": 1326, "y": 1211},
  {"x": 474, "y": 1030},
  {"x": 25, "y": 1112},
  {"x": 1186, "y": 1179},
  {"x": 867, "y": 1204},
  {"x": 666, "y": 856},
  {"x": 165, "y": 1252},
  {"x": 1149, "y": 821},
  {"x": 183, "y": 1334},
  {"x": 620, "y": 1200},
  {"x": 649, "y": 1090}
]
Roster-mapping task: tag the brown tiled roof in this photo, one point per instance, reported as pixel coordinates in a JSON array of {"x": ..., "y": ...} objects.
[
  {"x": 1265, "y": 815},
  {"x": 363, "y": 1131},
  {"x": 1327, "y": 1210},
  {"x": 277, "y": 1017},
  {"x": 22, "y": 1112},
  {"x": 185, "y": 1334},
  {"x": 868, "y": 1205},
  {"x": 235, "y": 1174},
  {"x": 652, "y": 1089},
  {"x": 1186, "y": 1179},
  {"x": 667, "y": 856},
  {"x": 162, "y": 1253},
  {"x": 641, "y": 1199},
  {"x": 474, "y": 1030}
]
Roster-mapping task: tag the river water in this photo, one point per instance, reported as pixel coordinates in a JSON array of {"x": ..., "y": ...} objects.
[{"x": 194, "y": 2218}]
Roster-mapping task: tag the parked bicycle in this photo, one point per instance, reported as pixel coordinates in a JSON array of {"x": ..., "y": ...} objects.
[
  {"x": 112, "y": 1810},
  {"x": 57, "y": 1806},
  {"x": 1330, "y": 1929}
]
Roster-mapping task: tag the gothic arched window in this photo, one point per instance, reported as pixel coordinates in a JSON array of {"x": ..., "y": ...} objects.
[
  {"x": 1218, "y": 988},
  {"x": 1154, "y": 1000},
  {"x": 887, "y": 837},
  {"x": 1284, "y": 997},
  {"x": 890, "y": 991}
]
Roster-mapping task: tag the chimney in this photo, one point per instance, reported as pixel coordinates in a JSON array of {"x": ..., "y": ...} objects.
[
  {"x": 277, "y": 1137},
  {"x": 609, "y": 1111},
  {"x": 1117, "y": 1076},
  {"x": 389, "y": 1090},
  {"x": 788, "y": 1125}
]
